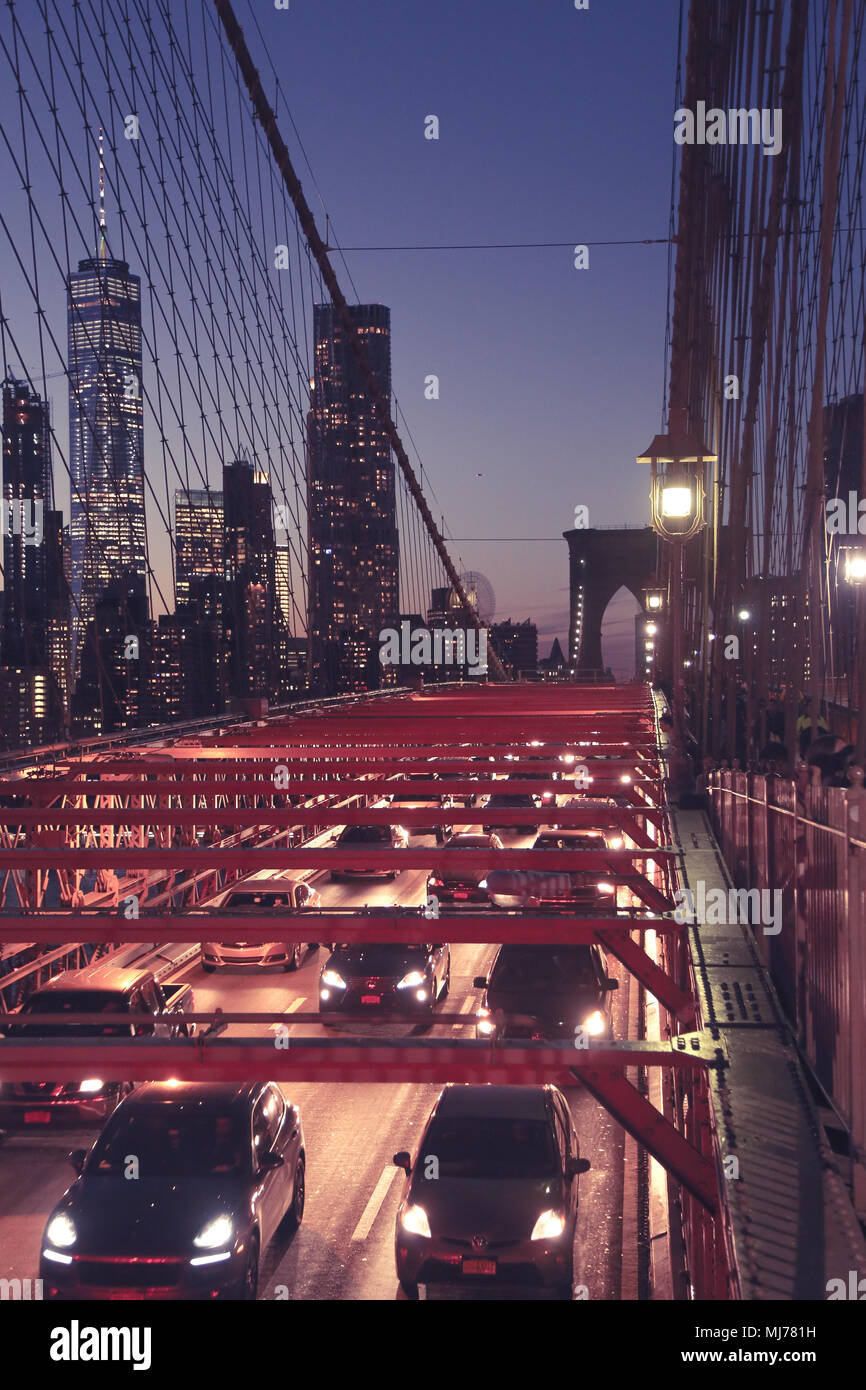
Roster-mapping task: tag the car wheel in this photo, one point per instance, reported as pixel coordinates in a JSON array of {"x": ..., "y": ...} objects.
[
  {"x": 250, "y": 1285},
  {"x": 446, "y": 983},
  {"x": 410, "y": 1290},
  {"x": 294, "y": 959},
  {"x": 208, "y": 969},
  {"x": 565, "y": 1290},
  {"x": 295, "y": 1213}
]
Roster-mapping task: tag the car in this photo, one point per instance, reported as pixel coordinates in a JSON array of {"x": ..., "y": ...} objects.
[
  {"x": 263, "y": 894},
  {"x": 491, "y": 1196},
  {"x": 452, "y": 886},
  {"x": 220, "y": 1168},
  {"x": 546, "y": 992},
  {"x": 510, "y": 801},
  {"x": 385, "y": 979},
  {"x": 406, "y": 801},
  {"x": 380, "y": 836},
  {"x": 589, "y": 886},
  {"x": 133, "y": 1003}
]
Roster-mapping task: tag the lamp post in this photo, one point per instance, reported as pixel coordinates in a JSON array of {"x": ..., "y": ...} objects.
[{"x": 677, "y": 513}]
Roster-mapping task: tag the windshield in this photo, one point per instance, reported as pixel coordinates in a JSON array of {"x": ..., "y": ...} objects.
[
  {"x": 380, "y": 960},
  {"x": 171, "y": 1142},
  {"x": 267, "y": 898},
  {"x": 533, "y": 968},
  {"x": 72, "y": 1002},
  {"x": 490, "y": 1147},
  {"x": 365, "y": 835},
  {"x": 569, "y": 842}
]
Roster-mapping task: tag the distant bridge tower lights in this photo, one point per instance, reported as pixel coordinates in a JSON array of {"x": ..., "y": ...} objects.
[{"x": 677, "y": 513}]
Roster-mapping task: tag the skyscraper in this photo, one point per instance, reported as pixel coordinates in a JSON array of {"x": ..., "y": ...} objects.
[
  {"x": 249, "y": 553},
  {"x": 351, "y": 505},
  {"x": 33, "y": 643},
  {"x": 26, "y": 499},
  {"x": 108, "y": 542},
  {"x": 198, "y": 527}
]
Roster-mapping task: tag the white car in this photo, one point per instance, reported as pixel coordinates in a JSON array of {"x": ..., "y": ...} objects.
[{"x": 262, "y": 894}]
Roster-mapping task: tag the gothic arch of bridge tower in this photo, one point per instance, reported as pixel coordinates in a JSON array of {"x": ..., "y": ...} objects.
[{"x": 601, "y": 561}]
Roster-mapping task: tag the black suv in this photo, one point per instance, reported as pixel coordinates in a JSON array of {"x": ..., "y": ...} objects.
[{"x": 545, "y": 992}]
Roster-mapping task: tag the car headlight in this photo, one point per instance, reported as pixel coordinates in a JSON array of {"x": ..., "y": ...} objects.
[
  {"x": 61, "y": 1231},
  {"x": 485, "y": 1026},
  {"x": 604, "y": 887},
  {"x": 616, "y": 843},
  {"x": 412, "y": 980},
  {"x": 414, "y": 1221},
  {"x": 89, "y": 1088},
  {"x": 434, "y": 882},
  {"x": 483, "y": 883},
  {"x": 331, "y": 978},
  {"x": 595, "y": 1024},
  {"x": 549, "y": 1225},
  {"x": 216, "y": 1232}
]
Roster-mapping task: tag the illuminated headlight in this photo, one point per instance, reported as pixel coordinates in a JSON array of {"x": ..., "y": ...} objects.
[
  {"x": 412, "y": 980},
  {"x": 434, "y": 882},
  {"x": 617, "y": 842},
  {"x": 483, "y": 883},
  {"x": 61, "y": 1231},
  {"x": 595, "y": 1025},
  {"x": 549, "y": 1225},
  {"x": 211, "y": 1259},
  {"x": 485, "y": 1026},
  {"x": 414, "y": 1221},
  {"x": 89, "y": 1088},
  {"x": 331, "y": 978},
  {"x": 216, "y": 1232},
  {"x": 604, "y": 887}
]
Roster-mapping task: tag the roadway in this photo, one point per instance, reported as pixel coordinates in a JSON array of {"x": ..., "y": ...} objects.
[{"x": 344, "y": 1248}]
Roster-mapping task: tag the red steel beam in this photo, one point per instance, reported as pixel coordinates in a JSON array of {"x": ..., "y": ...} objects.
[
  {"x": 565, "y": 816},
  {"x": 528, "y": 927},
  {"x": 644, "y": 1123},
  {"x": 39, "y": 791},
  {"x": 335, "y": 857}
]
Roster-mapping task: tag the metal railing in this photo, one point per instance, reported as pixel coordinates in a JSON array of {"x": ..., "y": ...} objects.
[{"x": 808, "y": 843}]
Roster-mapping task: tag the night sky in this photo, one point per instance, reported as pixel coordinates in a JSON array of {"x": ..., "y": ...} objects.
[{"x": 556, "y": 125}]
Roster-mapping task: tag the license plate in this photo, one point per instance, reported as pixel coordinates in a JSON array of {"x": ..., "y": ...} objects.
[
  {"x": 37, "y": 1117},
  {"x": 461, "y": 895},
  {"x": 479, "y": 1266},
  {"x": 371, "y": 998}
]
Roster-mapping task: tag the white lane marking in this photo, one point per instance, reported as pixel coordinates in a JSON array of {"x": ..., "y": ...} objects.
[
  {"x": 468, "y": 1004},
  {"x": 292, "y": 1009},
  {"x": 371, "y": 1210}
]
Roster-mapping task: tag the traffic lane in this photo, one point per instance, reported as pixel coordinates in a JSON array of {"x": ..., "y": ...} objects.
[
  {"x": 245, "y": 990},
  {"x": 345, "y": 1247}
]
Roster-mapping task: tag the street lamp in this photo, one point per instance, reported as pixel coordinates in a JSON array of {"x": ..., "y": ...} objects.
[
  {"x": 854, "y": 565},
  {"x": 677, "y": 512}
]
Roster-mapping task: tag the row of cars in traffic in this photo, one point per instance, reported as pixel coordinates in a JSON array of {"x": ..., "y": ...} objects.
[
  {"x": 491, "y": 1189},
  {"x": 187, "y": 1186}
]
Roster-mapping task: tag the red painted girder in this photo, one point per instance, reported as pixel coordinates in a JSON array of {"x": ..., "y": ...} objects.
[
  {"x": 384, "y": 762},
  {"x": 336, "y": 857},
  {"x": 649, "y": 1127},
  {"x": 657, "y": 981},
  {"x": 528, "y": 926},
  {"x": 605, "y": 817},
  {"x": 420, "y": 1061},
  {"x": 41, "y": 791}
]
